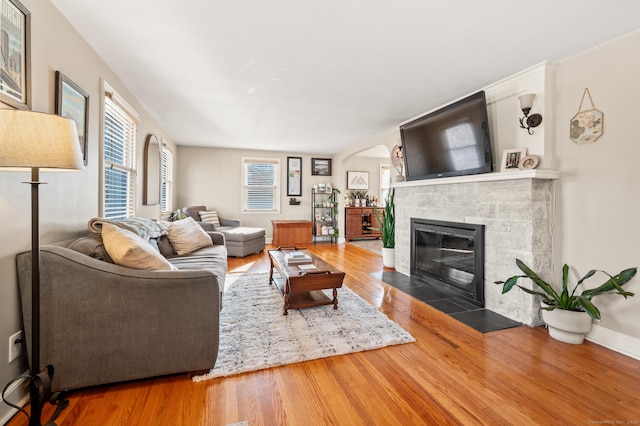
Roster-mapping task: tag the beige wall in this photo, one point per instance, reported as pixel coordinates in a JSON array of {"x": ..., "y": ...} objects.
[
  {"x": 69, "y": 199},
  {"x": 213, "y": 177},
  {"x": 598, "y": 193}
]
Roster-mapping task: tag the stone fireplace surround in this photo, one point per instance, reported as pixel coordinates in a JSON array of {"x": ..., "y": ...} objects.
[{"x": 517, "y": 211}]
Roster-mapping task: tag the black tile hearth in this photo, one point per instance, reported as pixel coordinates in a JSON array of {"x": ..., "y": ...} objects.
[{"x": 480, "y": 319}]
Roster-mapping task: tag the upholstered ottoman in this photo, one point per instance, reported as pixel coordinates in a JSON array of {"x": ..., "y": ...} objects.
[{"x": 242, "y": 241}]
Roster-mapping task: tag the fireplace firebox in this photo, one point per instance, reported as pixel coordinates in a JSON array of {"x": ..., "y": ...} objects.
[{"x": 449, "y": 256}]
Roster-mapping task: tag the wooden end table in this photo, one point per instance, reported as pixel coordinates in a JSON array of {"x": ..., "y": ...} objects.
[{"x": 300, "y": 288}]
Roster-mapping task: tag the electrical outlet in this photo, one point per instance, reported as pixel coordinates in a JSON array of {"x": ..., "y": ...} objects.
[{"x": 15, "y": 346}]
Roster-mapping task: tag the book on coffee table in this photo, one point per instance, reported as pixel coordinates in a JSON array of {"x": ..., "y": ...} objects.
[
  {"x": 297, "y": 257},
  {"x": 308, "y": 267}
]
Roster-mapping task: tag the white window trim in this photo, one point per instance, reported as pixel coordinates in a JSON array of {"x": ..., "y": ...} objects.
[{"x": 277, "y": 185}]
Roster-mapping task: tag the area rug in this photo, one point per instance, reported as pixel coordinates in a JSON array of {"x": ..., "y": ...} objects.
[{"x": 255, "y": 335}]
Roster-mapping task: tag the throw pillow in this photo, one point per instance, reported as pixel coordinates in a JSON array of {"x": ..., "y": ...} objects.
[
  {"x": 128, "y": 249},
  {"x": 210, "y": 216},
  {"x": 186, "y": 236}
]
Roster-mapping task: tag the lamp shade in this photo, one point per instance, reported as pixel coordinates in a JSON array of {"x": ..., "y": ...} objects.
[
  {"x": 526, "y": 101},
  {"x": 37, "y": 140}
]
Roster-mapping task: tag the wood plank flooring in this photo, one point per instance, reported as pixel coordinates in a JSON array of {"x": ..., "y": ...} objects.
[{"x": 452, "y": 375}]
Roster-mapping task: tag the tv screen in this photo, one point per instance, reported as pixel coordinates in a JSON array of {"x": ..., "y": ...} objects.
[{"x": 451, "y": 141}]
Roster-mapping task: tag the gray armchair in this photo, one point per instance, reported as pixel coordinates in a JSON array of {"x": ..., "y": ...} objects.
[
  {"x": 240, "y": 241},
  {"x": 225, "y": 224}
]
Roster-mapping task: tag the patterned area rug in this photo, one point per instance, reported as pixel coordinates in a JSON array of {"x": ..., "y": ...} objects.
[{"x": 254, "y": 334}]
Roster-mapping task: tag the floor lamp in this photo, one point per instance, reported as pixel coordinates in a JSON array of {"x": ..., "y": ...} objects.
[{"x": 38, "y": 142}]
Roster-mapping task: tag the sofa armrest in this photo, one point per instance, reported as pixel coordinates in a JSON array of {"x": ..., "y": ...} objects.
[
  {"x": 104, "y": 323},
  {"x": 229, "y": 222},
  {"x": 207, "y": 226},
  {"x": 217, "y": 238}
]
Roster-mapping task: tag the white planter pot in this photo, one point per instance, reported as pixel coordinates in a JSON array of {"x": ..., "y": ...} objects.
[
  {"x": 389, "y": 257},
  {"x": 567, "y": 326}
]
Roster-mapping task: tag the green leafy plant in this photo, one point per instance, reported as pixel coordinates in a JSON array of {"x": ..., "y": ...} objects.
[
  {"x": 177, "y": 215},
  {"x": 388, "y": 227},
  {"x": 571, "y": 301}
]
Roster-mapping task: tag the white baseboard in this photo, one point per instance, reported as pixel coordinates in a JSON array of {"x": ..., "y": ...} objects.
[
  {"x": 615, "y": 341},
  {"x": 17, "y": 394}
]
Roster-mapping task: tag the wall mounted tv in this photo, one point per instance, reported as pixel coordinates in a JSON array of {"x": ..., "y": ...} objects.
[{"x": 451, "y": 141}]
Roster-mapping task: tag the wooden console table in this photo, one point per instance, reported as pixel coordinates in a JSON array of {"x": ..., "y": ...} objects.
[{"x": 288, "y": 233}]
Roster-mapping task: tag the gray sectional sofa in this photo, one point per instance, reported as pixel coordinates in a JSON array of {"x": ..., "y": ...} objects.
[{"x": 105, "y": 323}]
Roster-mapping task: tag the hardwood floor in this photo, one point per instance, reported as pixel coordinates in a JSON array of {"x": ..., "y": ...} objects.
[{"x": 451, "y": 375}]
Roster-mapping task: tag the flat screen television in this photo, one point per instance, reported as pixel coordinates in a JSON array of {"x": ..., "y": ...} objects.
[{"x": 451, "y": 141}]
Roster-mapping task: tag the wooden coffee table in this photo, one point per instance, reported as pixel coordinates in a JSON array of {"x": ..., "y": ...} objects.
[{"x": 300, "y": 288}]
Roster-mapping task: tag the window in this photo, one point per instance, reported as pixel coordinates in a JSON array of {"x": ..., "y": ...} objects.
[
  {"x": 166, "y": 194},
  {"x": 261, "y": 185},
  {"x": 385, "y": 183},
  {"x": 119, "y": 157}
]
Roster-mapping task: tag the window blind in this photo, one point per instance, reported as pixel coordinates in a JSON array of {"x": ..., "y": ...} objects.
[
  {"x": 119, "y": 158},
  {"x": 166, "y": 195}
]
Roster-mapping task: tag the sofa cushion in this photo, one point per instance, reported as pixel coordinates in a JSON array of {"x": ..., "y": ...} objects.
[
  {"x": 92, "y": 246},
  {"x": 242, "y": 233},
  {"x": 210, "y": 216},
  {"x": 193, "y": 211},
  {"x": 128, "y": 249},
  {"x": 186, "y": 236}
]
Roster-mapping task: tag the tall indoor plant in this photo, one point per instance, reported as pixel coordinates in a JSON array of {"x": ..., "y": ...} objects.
[
  {"x": 568, "y": 313},
  {"x": 388, "y": 229}
]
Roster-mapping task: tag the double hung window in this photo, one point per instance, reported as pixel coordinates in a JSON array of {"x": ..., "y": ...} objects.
[
  {"x": 261, "y": 185},
  {"x": 119, "y": 157}
]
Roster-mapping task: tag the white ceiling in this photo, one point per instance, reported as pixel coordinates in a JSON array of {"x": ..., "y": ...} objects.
[{"x": 316, "y": 77}]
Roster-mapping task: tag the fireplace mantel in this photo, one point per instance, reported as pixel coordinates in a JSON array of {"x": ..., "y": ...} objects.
[{"x": 484, "y": 177}]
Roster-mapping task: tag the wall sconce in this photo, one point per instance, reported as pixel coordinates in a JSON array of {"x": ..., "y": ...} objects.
[{"x": 528, "y": 122}]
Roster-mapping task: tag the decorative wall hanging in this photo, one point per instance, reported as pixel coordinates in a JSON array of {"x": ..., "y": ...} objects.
[
  {"x": 320, "y": 167},
  {"x": 587, "y": 124},
  {"x": 73, "y": 103},
  {"x": 294, "y": 176},
  {"x": 15, "y": 62}
]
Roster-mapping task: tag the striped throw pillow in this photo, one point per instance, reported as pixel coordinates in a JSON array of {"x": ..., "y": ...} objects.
[{"x": 210, "y": 216}]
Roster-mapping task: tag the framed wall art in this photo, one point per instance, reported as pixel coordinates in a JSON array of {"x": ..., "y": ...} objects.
[
  {"x": 321, "y": 167},
  {"x": 511, "y": 159},
  {"x": 358, "y": 180},
  {"x": 294, "y": 176},
  {"x": 15, "y": 55},
  {"x": 73, "y": 103}
]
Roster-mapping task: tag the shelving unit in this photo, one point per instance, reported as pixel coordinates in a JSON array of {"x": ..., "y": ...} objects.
[{"x": 324, "y": 215}]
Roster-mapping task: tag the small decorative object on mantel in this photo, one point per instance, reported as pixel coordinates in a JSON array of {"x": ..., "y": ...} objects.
[
  {"x": 511, "y": 159},
  {"x": 528, "y": 162},
  {"x": 397, "y": 159},
  {"x": 294, "y": 202},
  {"x": 587, "y": 125}
]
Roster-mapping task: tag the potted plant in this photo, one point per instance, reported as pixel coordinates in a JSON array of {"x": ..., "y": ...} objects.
[
  {"x": 569, "y": 314},
  {"x": 388, "y": 229}
]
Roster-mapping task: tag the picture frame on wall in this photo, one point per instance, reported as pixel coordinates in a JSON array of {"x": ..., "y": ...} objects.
[
  {"x": 72, "y": 102},
  {"x": 321, "y": 166},
  {"x": 15, "y": 66},
  {"x": 294, "y": 176},
  {"x": 358, "y": 180},
  {"x": 511, "y": 159}
]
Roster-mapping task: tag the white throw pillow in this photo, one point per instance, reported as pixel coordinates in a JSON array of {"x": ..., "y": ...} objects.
[
  {"x": 186, "y": 236},
  {"x": 210, "y": 216},
  {"x": 128, "y": 249}
]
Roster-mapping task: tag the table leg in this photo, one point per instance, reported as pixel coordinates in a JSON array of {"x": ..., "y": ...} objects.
[
  {"x": 270, "y": 270},
  {"x": 286, "y": 304},
  {"x": 335, "y": 298}
]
